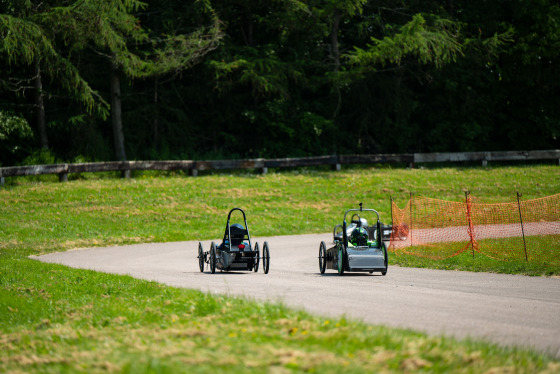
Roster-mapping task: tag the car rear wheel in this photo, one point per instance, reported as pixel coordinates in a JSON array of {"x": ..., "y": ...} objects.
[
  {"x": 386, "y": 254},
  {"x": 200, "y": 257},
  {"x": 257, "y": 258},
  {"x": 322, "y": 257},
  {"x": 340, "y": 260},
  {"x": 213, "y": 258},
  {"x": 266, "y": 257}
]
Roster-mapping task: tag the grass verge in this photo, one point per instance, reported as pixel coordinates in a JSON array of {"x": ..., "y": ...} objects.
[{"x": 56, "y": 319}]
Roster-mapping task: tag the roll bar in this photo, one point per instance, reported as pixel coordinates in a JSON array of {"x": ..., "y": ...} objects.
[
  {"x": 344, "y": 233},
  {"x": 229, "y": 231}
]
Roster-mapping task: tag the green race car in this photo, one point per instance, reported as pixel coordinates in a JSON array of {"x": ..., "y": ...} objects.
[{"x": 360, "y": 249}]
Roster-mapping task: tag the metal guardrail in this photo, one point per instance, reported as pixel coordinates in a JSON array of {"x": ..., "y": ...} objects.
[{"x": 193, "y": 166}]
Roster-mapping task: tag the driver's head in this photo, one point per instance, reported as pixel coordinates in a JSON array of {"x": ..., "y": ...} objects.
[
  {"x": 359, "y": 236},
  {"x": 236, "y": 236},
  {"x": 238, "y": 225}
]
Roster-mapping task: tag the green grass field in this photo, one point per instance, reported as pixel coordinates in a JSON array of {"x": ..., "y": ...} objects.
[{"x": 56, "y": 319}]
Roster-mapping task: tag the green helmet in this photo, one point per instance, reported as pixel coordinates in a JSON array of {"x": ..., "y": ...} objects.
[{"x": 359, "y": 236}]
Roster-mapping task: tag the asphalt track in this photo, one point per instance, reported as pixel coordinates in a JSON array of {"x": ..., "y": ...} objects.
[{"x": 509, "y": 310}]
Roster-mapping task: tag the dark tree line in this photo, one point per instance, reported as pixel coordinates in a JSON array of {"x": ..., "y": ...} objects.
[{"x": 122, "y": 79}]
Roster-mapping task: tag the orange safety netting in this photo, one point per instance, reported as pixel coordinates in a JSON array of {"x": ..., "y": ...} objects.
[{"x": 521, "y": 230}]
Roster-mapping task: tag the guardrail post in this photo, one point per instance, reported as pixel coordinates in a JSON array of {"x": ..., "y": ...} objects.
[
  {"x": 194, "y": 172},
  {"x": 125, "y": 169},
  {"x": 264, "y": 170},
  {"x": 2, "y": 181},
  {"x": 487, "y": 156},
  {"x": 63, "y": 174}
]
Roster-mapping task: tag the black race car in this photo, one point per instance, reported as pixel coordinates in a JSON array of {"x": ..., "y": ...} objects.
[{"x": 236, "y": 251}]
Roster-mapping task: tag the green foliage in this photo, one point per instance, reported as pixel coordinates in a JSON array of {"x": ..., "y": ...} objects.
[
  {"x": 245, "y": 77},
  {"x": 178, "y": 50},
  {"x": 436, "y": 43},
  {"x": 40, "y": 157},
  {"x": 25, "y": 40},
  {"x": 11, "y": 125},
  {"x": 108, "y": 26},
  {"x": 266, "y": 76},
  {"x": 15, "y": 135}
]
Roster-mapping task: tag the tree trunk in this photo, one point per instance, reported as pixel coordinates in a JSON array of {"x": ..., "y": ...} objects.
[
  {"x": 156, "y": 113},
  {"x": 334, "y": 40},
  {"x": 335, "y": 54},
  {"x": 116, "y": 114},
  {"x": 40, "y": 106}
]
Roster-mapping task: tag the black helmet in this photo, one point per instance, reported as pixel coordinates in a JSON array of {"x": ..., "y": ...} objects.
[
  {"x": 238, "y": 225},
  {"x": 359, "y": 236},
  {"x": 237, "y": 233}
]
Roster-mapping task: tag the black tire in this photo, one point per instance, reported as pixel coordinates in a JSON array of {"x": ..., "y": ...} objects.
[
  {"x": 213, "y": 258},
  {"x": 266, "y": 258},
  {"x": 340, "y": 260},
  {"x": 257, "y": 260},
  {"x": 200, "y": 257},
  {"x": 322, "y": 257},
  {"x": 386, "y": 254}
]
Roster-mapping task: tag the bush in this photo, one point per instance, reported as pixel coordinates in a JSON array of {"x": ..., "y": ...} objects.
[
  {"x": 15, "y": 136},
  {"x": 40, "y": 157}
]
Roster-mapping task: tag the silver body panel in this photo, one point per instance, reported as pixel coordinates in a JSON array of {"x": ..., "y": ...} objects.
[{"x": 365, "y": 258}]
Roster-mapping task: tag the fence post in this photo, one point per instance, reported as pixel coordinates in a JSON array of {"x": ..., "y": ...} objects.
[
  {"x": 522, "y": 230},
  {"x": 470, "y": 229},
  {"x": 410, "y": 231},
  {"x": 392, "y": 222}
]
